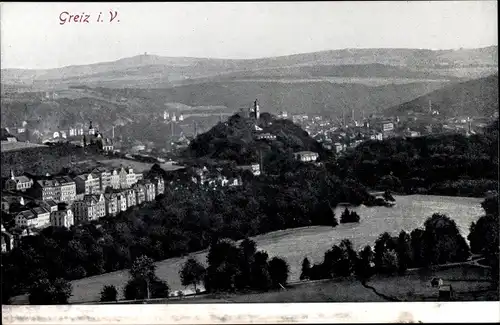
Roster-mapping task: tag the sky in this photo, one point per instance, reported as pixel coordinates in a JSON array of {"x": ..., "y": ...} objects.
[{"x": 33, "y": 35}]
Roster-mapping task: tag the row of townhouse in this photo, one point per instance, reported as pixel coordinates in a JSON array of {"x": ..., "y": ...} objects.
[
  {"x": 101, "y": 178},
  {"x": 42, "y": 214},
  {"x": 94, "y": 206},
  {"x": 65, "y": 189}
]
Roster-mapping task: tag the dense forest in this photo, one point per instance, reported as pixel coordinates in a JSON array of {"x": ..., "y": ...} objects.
[
  {"x": 235, "y": 140},
  {"x": 444, "y": 164}
]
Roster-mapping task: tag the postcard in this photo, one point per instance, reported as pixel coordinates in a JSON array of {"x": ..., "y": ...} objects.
[{"x": 244, "y": 162}]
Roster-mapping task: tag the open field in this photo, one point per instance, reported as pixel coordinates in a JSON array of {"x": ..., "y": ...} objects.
[
  {"x": 294, "y": 244},
  {"x": 11, "y": 146}
]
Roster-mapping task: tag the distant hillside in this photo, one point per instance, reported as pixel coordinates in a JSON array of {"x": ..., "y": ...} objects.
[
  {"x": 477, "y": 98},
  {"x": 235, "y": 140},
  {"x": 107, "y": 106},
  {"x": 148, "y": 70}
]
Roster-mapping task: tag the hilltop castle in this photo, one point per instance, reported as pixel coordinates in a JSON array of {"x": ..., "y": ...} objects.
[{"x": 252, "y": 112}]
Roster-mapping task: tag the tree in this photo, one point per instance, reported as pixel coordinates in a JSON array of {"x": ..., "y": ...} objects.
[
  {"x": 483, "y": 234},
  {"x": 192, "y": 273},
  {"x": 364, "y": 268},
  {"x": 349, "y": 216},
  {"x": 390, "y": 263},
  {"x": 45, "y": 292},
  {"x": 403, "y": 251},
  {"x": 143, "y": 271},
  {"x": 388, "y": 196},
  {"x": 223, "y": 266},
  {"x": 306, "y": 269},
  {"x": 279, "y": 271},
  {"x": 261, "y": 278},
  {"x": 443, "y": 242},
  {"x": 109, "y": 293},
  {"x": 383, "y": 244},
  {"x": 490, "y": 205}
]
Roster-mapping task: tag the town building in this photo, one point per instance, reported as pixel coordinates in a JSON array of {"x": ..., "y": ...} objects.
[
  {"x": 42, "y": 216},
  {"x": 63, "y": 217},
  {"x": 111, "y": 203},
  {"x": 121, "y": 201},
  {"x": 150, "y": 190},
  {"x": 127, "y": 177},
  {"x": 306, "y": 156},
  {"x": 130, "y": 197},
  {"x": 104, "y": 177},
  {"x": 88, "y": 184},
  {"x": 107, "y": 145},
  {"x": 115, "y": 179},
  {"x": 50, "y": 205},
  {"x": 18, "y": 183},
  {"x": 253, "y": 168},
  {"x": 92, "y": 207},
  {"x": 140, "y": 192},
  {"x": 265, "y": 136},
  {"x": 67, "y": 191},
  {"x": 26, "y": 219},
  {"x": 46, "y": 189},
  {"x": 159, "y": 184}
]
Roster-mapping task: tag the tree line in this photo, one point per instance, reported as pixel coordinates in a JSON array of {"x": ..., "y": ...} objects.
[
  {"x": 444, "y": 164},
  {"x": 177, "y": 223},
  {"x": 243, "y": 268}
]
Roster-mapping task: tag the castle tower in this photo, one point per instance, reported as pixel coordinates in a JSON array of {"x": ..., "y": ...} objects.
[{"x": 256, "y": 109}]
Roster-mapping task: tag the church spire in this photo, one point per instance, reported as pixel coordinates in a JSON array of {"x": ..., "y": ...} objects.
[{"x": 12, "y": 177}]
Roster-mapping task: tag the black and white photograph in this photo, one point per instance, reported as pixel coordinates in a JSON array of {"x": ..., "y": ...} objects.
[{"x": 179, "y": 154}]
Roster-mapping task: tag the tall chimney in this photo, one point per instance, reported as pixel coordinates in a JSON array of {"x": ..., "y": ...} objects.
[{"x": 113, "y": 133}]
